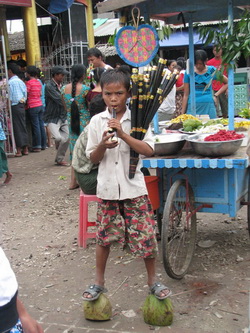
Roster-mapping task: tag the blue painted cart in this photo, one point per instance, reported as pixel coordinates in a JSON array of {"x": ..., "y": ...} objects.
[{"x": 190, "y": 183}]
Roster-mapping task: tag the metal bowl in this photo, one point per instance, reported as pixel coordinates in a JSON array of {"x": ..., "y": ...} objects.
[
  {"x": 169, "y": 144},
  {"x": 213, "y": 148}
]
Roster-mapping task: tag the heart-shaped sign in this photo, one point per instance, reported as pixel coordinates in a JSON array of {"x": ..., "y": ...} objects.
[{"x": 137, "y": 46}]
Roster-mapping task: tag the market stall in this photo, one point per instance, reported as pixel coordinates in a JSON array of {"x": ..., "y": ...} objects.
[{"x": 191, "y": 183}]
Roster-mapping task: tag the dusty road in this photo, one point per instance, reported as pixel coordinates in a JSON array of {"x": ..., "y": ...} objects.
[{"x": 39, "y": 221}]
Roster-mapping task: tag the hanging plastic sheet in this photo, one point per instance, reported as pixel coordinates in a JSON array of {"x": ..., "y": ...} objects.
[{"x": 59, "y": 6}]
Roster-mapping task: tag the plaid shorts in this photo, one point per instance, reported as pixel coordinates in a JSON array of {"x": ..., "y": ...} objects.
[{"x": 129, "y": 222}]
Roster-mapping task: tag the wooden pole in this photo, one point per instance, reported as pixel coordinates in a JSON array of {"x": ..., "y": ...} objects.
[
  {"x": 90, "y": 26},
  {"x": 32, "y": 44},
  {"x": 3, "y": 31}
]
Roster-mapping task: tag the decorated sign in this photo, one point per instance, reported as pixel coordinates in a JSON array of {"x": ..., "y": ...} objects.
[{"x": 137, "y": 45}]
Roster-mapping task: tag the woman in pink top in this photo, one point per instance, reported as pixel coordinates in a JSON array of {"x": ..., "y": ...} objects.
[{"x": 35, "y": 109}]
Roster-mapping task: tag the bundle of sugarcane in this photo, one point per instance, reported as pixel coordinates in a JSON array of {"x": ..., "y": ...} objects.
[{"x": 148, "y": 92}]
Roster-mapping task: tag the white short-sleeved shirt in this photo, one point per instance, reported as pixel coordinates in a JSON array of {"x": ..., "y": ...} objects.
[
  {"x": 8, "y": 282},
  {"x": 113, "y": 181}
]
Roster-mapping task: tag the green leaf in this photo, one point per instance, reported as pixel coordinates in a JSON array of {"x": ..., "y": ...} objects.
[
  {"x": 160, "y": 34},
  {"x": 62, "y": 178}
]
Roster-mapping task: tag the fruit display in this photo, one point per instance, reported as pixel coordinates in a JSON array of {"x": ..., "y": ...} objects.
[
  {"x": 190, "y": 125},
  {"x": 224, "y": 135},
  {"x": 245, "y": 123},
  {"x": 214, "y": 122},
  {"x": 245, "y": 113},
  {"x": 182, "y": 118},
  {"x": 210, "y": 129}
]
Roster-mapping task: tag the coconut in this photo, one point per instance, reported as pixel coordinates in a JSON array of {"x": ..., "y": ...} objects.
[
  {"x": 157, "y": 312},
  {"x": 99, "y": 309}
]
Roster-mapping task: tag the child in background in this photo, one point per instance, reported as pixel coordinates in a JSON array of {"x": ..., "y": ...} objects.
[
  {"x": 13, "y": 316},
  {"x": 179, "y": 91},
  {"x": 97, "y": 73},
  {"x": 125, "y": 213}
]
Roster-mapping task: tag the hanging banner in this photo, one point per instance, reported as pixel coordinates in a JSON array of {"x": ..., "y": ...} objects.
[
  {"x": 59, "y": 6},
  {"x": 137, "y": 45},
  {"x": 21, "y": 3}
]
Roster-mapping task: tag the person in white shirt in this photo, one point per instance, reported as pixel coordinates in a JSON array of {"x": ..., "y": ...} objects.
[
  {"x": 125, "y": 214},
  {"x": 167, "y": 108},
  {"x": 13, "y": 316},
  {"x": 96, "y": 58}
]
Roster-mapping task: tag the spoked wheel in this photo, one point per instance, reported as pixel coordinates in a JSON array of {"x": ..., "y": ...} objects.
[{"x": 178, "y": 230}]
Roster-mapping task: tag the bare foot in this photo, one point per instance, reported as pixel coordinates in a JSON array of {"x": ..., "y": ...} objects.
[{"x": 8, "y": 177}]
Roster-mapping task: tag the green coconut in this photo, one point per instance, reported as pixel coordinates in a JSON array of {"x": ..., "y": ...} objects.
[
  {"x": 157, "y": 312},
  {"x": 99, "y": 309}
]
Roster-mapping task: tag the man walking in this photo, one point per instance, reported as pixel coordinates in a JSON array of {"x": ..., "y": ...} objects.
[
  {"x": 216, "y": 85},
  {"x": 18, "y": 96},
  {"x": 55, "y": 114}
]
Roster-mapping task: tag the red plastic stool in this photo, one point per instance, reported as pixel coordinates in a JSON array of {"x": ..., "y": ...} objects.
[{"x": 84, "y": 222}]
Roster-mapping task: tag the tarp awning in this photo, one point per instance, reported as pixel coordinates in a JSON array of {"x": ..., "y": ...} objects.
[
  {"x": 108, "y": 28},
  {"x": 59, "y": 6},
  {"x": 180, "y": 38},
  {"x": 98, "y": 22}
]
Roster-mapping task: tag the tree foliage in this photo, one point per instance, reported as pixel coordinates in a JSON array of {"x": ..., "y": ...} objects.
[{"x": 234, "y": 38}]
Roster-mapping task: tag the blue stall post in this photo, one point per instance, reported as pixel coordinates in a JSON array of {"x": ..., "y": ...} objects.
[
  {"x": 191, "y": 65},
  {"x": 156, "y": 124},
  {"x": 230, "y": 74}
]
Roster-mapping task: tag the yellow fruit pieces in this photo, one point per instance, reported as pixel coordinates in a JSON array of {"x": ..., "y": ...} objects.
[{"x": 182, "y": 118}]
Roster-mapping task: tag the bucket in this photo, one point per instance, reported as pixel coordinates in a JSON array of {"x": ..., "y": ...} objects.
[{"x": 153, "y": 190}]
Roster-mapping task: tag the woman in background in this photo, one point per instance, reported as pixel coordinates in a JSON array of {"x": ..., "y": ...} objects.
[
  {"x": 74, "y": 96},
  {"x": 35, "y": 109},
  {"x": 203, "y": 75}
]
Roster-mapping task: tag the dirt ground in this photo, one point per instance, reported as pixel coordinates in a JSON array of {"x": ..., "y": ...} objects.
[{"x": 39, "y": 225}]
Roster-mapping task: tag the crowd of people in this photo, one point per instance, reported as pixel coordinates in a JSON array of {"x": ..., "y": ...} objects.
[
  {"x": 53, "y": 111},
  {"x": 79, "y": 117},
  {"x": 210, "y": 87}
]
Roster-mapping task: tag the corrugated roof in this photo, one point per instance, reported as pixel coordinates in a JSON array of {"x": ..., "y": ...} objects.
[
  {"x": 108, "y": 28},
  {"x": 107, "y": 50}
]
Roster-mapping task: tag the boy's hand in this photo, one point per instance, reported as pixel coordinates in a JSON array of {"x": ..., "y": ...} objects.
[
  {"x": 115, "y": 124},
  {"x": 106, "y": 142}
]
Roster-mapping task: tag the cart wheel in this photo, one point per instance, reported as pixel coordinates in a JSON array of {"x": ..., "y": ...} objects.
[{"x": 178, "y": 230}]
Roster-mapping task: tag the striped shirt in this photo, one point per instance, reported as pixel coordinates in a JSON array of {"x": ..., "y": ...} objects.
[
  {"x": 18, "y": 91},
  {"x": 34, "y": 92}
]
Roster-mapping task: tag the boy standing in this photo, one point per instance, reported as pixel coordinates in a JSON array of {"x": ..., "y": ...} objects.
[{"x": 125, "y": 213}]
